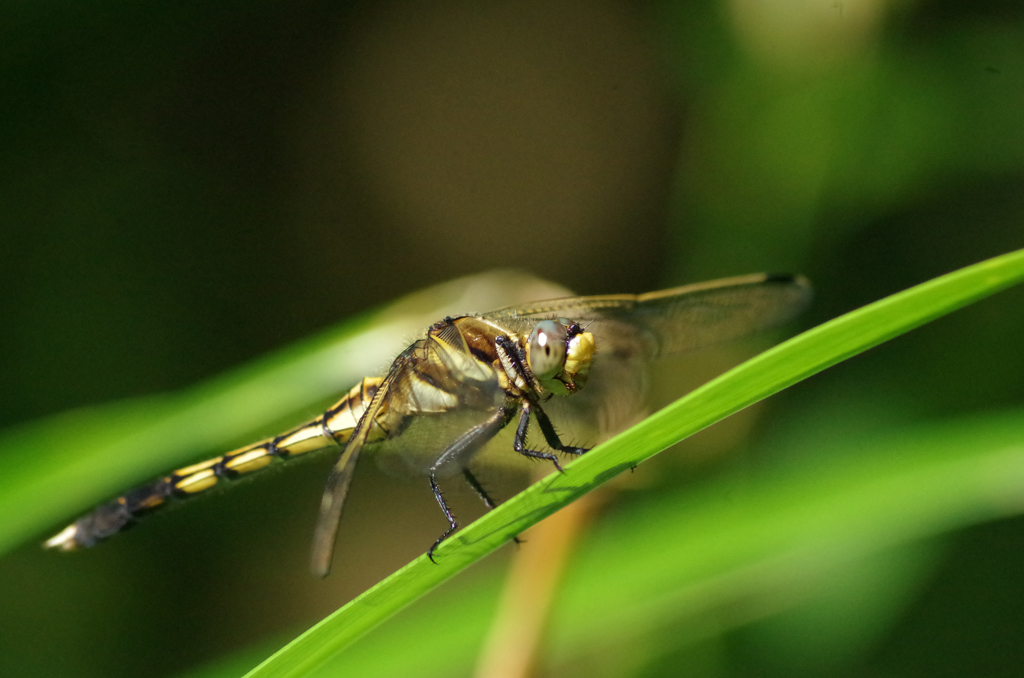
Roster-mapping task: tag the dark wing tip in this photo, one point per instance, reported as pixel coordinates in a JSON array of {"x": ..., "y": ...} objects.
[
  {"x": 795, "y": 283},
  {"x": 320, "y": 567},
  {"x": 787, "y": 278}
]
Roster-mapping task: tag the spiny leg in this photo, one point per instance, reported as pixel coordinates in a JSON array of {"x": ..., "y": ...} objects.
[
  {"x": 488, "y": 502},
  {"x": 517, "y": 358},
  {"x": 475, "y": 484},
  {"x": 519, "y": 443},
  {"x": 551, "y": 436},
  {"x": 464, "y": 447},
  {"x": 452, "y": 524}
]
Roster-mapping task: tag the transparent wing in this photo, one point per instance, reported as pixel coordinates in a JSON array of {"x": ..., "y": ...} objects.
[
  {"x": 678, "y": 319},
  {"x": 631, "y": 330}
]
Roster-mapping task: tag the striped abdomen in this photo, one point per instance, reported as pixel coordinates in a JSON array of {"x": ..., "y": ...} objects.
[{"x": 332, "y": 428}]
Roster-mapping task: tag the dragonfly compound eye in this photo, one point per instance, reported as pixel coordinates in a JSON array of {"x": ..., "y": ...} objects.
[{"x": 545, "y": 352}]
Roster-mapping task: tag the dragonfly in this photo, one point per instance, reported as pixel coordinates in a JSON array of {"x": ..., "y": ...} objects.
[{"x": 469, "y": 378}]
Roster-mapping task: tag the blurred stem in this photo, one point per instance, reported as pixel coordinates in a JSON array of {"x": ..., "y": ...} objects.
[{"x": 514, "y": 641}]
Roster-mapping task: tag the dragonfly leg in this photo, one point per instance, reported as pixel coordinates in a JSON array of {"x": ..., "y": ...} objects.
[
  {"x": 490, "y": 503},
  {"x": 452, "y": 524},
  {"x": 519, "y": 443},
  {"x": 475, "y": 484},
  {"x": 551, "y": 436},
  {"x": 468, "y": 444}
]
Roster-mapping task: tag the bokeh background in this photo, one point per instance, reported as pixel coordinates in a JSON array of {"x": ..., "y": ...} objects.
[{"x": 188, "y": 187}]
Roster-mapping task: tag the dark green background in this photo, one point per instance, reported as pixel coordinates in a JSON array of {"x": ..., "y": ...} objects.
[{"x": 187, "y": 187}]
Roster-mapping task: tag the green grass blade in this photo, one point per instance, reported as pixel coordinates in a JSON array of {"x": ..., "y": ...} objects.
[
  {"x": 748, "y": 544},
  {"x": 766, "y": 374}
]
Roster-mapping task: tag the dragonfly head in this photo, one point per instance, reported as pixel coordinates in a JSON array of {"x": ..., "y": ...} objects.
[{"x": 558, "y": 353}]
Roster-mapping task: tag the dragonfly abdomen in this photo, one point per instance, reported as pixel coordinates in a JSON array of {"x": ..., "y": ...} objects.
[{"x": 333, "y": 428}]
